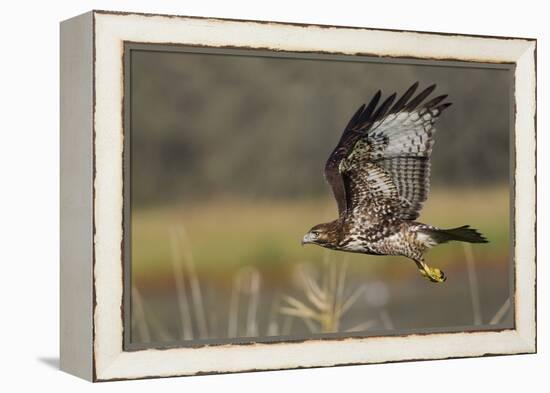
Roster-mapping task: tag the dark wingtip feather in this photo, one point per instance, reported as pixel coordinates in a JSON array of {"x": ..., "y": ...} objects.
[
  {"x": 381, "y": 111},
  {"x": 370, "y": 113},
  {"x": 431, "y": 87},
  {"x": 420, "y": 97},
  {"x": 373, "y": 102},
  {"x": 400, "y": 104},
  {"x": 444, "y": 106},
  {"x": 355, "y": 117},
  {"x": 366, "y": 115},
  {"x": 433, "y": 102}
]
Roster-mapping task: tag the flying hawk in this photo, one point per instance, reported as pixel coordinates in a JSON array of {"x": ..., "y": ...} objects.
[{"x": 380, "y": 176}]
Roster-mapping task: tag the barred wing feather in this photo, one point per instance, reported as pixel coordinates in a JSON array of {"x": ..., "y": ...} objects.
[{"x": 384, "y": 153}]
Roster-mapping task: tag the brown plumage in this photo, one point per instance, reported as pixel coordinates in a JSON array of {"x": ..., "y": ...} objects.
[{"x": 380, "y": 177}]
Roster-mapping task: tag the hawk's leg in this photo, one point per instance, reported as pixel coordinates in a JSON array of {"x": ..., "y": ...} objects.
[{"x": 431, "y": 273}]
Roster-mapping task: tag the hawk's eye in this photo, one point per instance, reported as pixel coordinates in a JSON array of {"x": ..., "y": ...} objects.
[{"x": 315, "y": 234}]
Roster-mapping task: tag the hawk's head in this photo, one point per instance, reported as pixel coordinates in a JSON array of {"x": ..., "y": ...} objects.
[{"x": 323, "y": 235}]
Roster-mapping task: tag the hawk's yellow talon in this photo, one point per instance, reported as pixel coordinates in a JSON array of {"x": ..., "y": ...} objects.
[{"x": 432, "y": 273}]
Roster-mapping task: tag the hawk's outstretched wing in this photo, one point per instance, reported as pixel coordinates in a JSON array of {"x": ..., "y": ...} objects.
[{"x": 384, "y": 153}]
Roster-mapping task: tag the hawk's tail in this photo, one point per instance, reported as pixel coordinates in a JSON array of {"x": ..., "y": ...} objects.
[{"x": 461, "y": 234}]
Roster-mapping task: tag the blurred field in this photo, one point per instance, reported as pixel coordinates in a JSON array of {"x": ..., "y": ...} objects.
[
  {"x": 228, "y": 239},
  {"x": 227, "y": 234}
]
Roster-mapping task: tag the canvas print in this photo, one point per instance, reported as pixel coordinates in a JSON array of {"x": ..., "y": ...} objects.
[{"x": 285, "y": 196}]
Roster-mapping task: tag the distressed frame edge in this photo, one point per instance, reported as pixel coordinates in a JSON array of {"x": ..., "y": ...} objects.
[
  {"x": 525, "y": 335},
  {"x": 304, "y": 24},
  {"x": 76, "y": 196},
  {"x": 525, "y": 193}
]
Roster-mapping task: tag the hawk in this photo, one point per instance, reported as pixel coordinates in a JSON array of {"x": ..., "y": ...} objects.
[{"x": 380, "y": 177}]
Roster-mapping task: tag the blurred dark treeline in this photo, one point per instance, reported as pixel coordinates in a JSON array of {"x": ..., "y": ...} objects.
[{"x": 206, "y": 125}]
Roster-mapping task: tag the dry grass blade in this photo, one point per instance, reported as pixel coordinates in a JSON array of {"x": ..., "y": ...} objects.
[
  {"x": 501, "y": 313},
  {"x": 300, "y": 313},
  {"x": 312, "y": 291},
  {"x": 272, "y": 324},
  {"x": 342, "y": 281},
  {"x": 254, "y": 290},
  {"x": 140, "y": 317},
  {"x": 159, "y": 329},
  {"x": 352, "y": 299},
  {"x": 328, "y": 303},
  {"x": 333, "y": 283},
  {"x": 310, "y": 325},
  {"x": 183, "y": 303},
  {"x": 299, "y": 309},
  {"x": 232, "y": 321},
  {"x": 386, "y": 320},
  {"x": 362, "y": 326},
  {"x": 196, "y": 294},
  {"x": 287, "y": 325},
  {"x": 474, "y": 286}
]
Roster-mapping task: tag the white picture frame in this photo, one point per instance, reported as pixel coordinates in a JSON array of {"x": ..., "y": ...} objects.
[{"x": 92, "y": 195}]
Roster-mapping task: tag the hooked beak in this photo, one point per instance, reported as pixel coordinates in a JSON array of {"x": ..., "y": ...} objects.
[{"x": 308, "y": 238}]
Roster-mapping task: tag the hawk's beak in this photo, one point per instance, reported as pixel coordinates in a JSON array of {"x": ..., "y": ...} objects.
[{"x": 308, "y": 238}]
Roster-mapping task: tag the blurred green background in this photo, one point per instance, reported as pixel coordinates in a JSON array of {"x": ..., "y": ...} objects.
[{"x": 227, "y": 157}]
